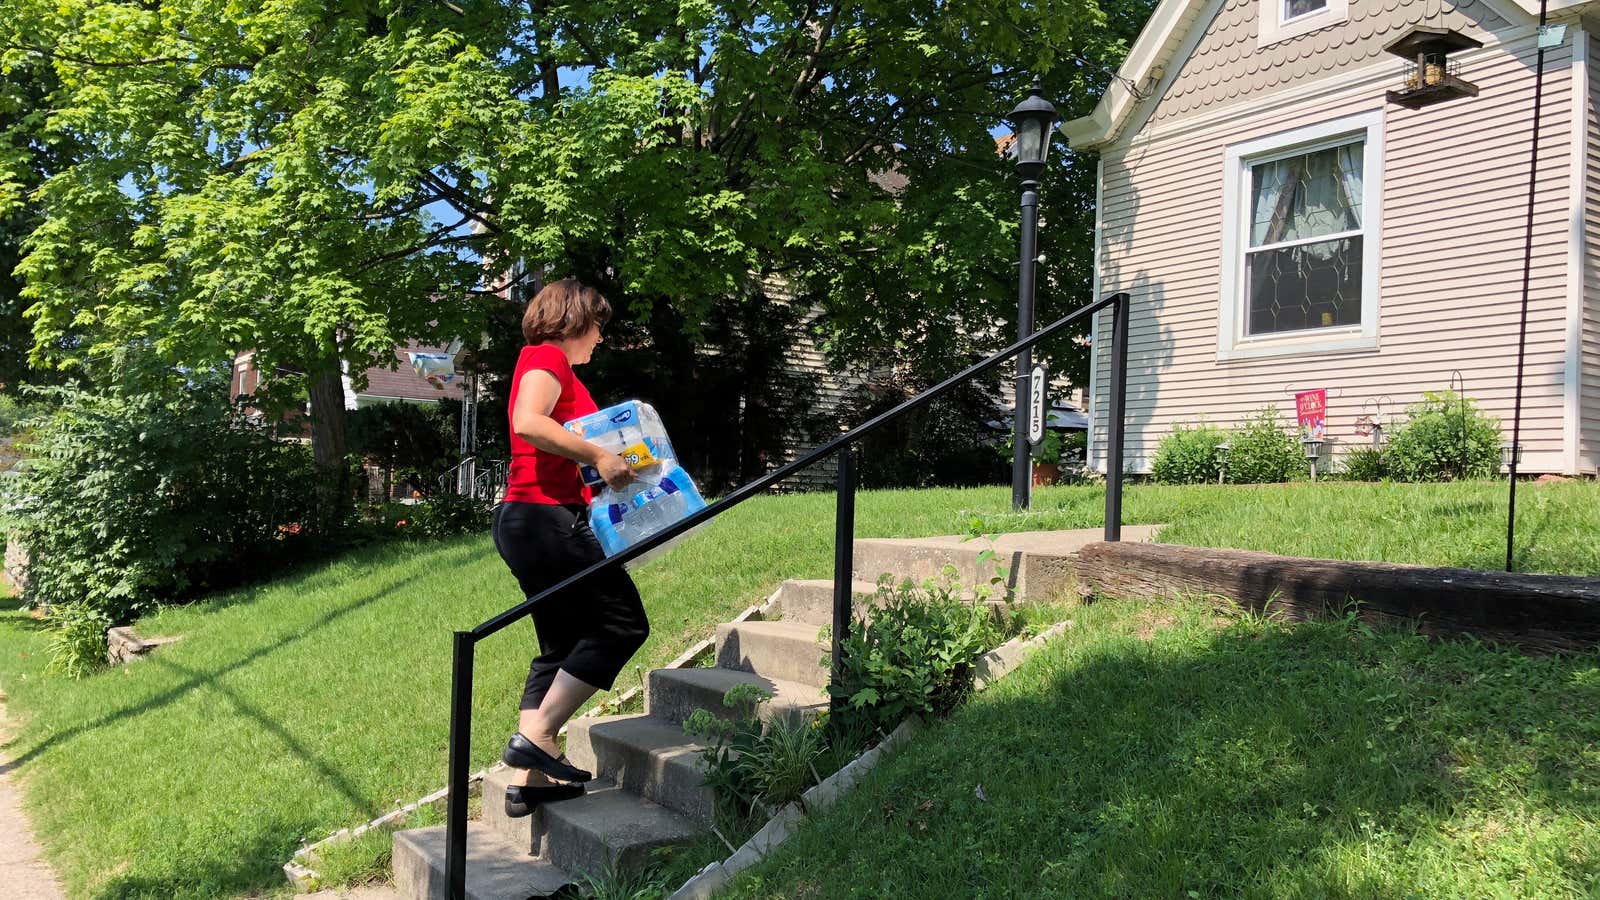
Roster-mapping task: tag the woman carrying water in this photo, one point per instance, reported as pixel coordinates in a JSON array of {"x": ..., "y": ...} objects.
[{"x": 586, "y": 633}]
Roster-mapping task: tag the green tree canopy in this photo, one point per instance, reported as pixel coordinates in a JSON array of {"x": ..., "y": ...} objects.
[{"x": 322, "y": 181}]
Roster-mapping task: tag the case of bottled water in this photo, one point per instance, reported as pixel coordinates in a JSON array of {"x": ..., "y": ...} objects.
[{"x": 660, "y": 495}]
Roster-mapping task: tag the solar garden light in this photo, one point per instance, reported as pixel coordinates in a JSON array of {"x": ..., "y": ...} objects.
[
  {"x": 1222, "y": 460},
  {"x": 1313, "y": 448},
  {"x": 1033, "y": 121},
  {"x": 1509, "y": 453}
]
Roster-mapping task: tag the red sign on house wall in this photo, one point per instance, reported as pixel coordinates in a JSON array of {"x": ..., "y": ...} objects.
[{"x": 1311, "y": 408}]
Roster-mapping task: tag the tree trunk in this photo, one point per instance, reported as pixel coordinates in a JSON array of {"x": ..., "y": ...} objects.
[{"x": 328, "y": 445}]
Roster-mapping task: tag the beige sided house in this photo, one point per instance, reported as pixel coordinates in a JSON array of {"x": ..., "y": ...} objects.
[{"x": 1284, "y": 220}]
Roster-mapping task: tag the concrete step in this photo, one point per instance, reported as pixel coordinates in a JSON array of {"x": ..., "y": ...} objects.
[
  {"x": 673, "y": 694},
  {"x": 608, "y": 826},
  {"x": 496, "y": 868},
  {"x": 649, "y": 756},
  {"x": 1037, "y": 564},
  {"x": 782, "y": 650},
  {"x": 811, "y": 600}
]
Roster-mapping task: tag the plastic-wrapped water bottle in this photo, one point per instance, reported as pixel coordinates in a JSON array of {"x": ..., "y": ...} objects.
[{"x": 662, "y": 493}]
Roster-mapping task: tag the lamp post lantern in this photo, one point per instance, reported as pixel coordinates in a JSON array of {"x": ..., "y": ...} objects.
[{"x": 1033, "y": 122}]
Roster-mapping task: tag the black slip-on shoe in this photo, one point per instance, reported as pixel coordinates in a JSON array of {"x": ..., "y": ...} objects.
[
  {"x": 521, "y": 799},
  {"x": 522, "y": 753}
]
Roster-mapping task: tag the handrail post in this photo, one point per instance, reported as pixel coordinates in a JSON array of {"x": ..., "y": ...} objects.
[
  {"x": 844, "y": 535},
  {"x": 1116, "y": 415},
  {"x": 460, "y": 751}
]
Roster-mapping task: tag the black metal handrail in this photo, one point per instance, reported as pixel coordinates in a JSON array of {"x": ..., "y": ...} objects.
[{"x": 466, "y": 641}]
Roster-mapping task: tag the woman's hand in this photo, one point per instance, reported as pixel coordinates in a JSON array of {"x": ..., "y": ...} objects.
[{"x": 617, "y": 473}]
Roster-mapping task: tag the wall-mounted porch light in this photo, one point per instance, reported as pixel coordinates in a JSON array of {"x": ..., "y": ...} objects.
[{"x": 1430, "y": 76}]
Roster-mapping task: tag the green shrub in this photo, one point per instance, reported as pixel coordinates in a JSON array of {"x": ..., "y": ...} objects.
[
  {"x": 915, "y": 655},
  {"x": 410, "y": 441},
  {"x": 132, "y": 497},
  {"x": 1365, "y": 464},
  {"x": 439, "y": 516},
  {"x": 77, "y": 639},
  {"x": 1188, "y": 455},
  {"x": 751, "y": 768},
  {"x": 1263, "y": 452},
  {"x": 1428, "y": 446}
]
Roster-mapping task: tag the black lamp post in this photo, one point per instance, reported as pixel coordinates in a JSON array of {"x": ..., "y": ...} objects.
[{"x": 1033, "y": 122}]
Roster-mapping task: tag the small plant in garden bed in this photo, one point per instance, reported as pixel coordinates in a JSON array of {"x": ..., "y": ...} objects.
[
  {"x": 1261, "y": 451},
  {"x": 1444, "y": 436},
  {"x": 77, "y": 638},
  {"x": 1365, "y": 464},
  {"x": 1188, "y": 455}
]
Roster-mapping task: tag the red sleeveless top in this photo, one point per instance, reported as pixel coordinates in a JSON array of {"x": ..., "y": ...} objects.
[{"x": 537, "y": 476}]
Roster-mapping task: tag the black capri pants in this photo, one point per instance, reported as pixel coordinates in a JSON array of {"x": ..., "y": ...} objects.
[{"x": 590, "y": 630}]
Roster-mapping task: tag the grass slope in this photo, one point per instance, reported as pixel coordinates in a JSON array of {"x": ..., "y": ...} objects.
[
  {"x": 318, "y": 701},
  {"x": 1160, "y": 752}
]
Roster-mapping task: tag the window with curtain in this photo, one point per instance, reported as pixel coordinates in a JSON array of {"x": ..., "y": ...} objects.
[
  {"x": 1293, "y": 8},
  {"x": 1303, "y": 260}
]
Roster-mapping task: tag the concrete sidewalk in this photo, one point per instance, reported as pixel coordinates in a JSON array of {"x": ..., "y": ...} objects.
[{"x": 22, "y": 866}]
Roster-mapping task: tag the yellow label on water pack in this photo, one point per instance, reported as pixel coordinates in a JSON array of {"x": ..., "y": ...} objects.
[{"x": 638, "y": 456}]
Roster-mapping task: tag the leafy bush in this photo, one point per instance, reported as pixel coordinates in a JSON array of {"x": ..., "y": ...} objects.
[
  {"x": 77, "y": 639},
  {"x": 137, "y": 496},
  {"x": 1365, "y": 464},
  {"x": 1188, "y": 455},
  {"x": 1428, "y": 446},
  {"x": 410, "y": 441},
  {"x": 443, "y": 515},
  {"x": 1263, "y": 452},
  {"x": 915, "y": 655}
]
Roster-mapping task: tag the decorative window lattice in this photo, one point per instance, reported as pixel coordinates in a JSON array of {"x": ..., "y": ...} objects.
[{"x": 1304, "y": 264}]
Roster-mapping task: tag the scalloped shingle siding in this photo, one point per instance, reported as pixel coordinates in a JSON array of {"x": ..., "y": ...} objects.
[{"x": 1226, "y": 64}]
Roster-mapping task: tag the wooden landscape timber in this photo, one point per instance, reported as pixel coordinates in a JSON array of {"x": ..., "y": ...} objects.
[{"x": 1550, "y": 613}]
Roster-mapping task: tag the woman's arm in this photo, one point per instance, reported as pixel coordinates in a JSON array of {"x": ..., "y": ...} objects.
[{"x": 530, "y": 420}]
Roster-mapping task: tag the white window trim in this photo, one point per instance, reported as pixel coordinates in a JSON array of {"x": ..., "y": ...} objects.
[
  {"x": 1274, "y": 28},
  {"x": 1231, "y": 340}
]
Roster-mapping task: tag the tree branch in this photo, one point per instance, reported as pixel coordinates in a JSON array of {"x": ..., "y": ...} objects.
[
  {"x": 428, "y": 244},
  {"x": 122, "y": 63},
  {"x": 464, "y": 203}
]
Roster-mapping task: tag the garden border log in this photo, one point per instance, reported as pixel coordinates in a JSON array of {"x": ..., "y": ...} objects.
[{"x": 1534, "y": 612}]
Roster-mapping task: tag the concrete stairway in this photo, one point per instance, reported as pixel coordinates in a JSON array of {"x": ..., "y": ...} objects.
[{"x": 649, "y": 789}]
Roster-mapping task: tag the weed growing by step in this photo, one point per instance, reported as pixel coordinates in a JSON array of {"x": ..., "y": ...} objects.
[
  {"x": 915, "y": 655},
  {"x": 754, "y": 769},
  {"x": 623, "y": 883}
]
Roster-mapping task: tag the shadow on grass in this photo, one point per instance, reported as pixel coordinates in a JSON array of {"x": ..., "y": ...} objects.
[
  {"x": 194, "y": 679},
  {"x": 1253, "y": 761}
]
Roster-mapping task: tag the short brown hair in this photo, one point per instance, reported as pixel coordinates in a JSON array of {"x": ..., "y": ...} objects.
[{"x": 564, "y": 309}]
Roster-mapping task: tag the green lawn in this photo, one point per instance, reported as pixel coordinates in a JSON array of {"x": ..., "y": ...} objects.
[
  {"x": 318, "y": 701},
  {"x": 1158, "y": 751}
]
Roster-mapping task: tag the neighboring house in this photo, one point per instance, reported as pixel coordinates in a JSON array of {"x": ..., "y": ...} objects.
[
  {"x": 1282, "y": 223},
  {"x": 402, "y": 384},
  {"x": 383, "y": 384}
]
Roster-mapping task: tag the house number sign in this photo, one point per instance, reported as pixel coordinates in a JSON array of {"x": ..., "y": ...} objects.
[{"x": 1037, "y": 391}]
